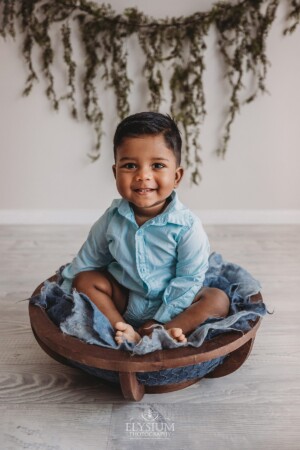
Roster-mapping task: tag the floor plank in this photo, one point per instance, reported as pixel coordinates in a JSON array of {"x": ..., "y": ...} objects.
[{"x": 55, "y": 427}]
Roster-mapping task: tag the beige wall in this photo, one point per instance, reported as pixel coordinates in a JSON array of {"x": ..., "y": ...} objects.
[{"x": 43, "y": 162}]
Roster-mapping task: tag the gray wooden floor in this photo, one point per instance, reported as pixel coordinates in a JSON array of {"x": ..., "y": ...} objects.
[{"x": 45, "y": 405}]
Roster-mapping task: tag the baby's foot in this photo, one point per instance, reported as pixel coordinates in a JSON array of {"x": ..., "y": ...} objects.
[
  {"x": 177, "y": 334},
  {"x": 126, "y": 331}
]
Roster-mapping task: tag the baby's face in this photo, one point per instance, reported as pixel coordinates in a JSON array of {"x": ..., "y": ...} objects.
[{"x": 146, "y": 173}]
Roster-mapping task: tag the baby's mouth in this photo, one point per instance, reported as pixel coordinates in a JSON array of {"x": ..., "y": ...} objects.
[{"x": 144, "y": 190}]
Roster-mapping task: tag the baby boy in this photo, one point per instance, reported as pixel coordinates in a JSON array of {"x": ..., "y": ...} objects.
[{"x": 144, "y": 260}]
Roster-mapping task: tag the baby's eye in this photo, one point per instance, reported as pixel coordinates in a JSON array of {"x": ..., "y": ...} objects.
[
  {"x": 129, "y": 166},
  {"x": 158, "y": 165}
]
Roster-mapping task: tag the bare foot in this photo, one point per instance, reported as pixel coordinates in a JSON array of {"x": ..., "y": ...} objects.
[
  {"x": 126, "y": 331},
  {"x": 177, "y": 334}
]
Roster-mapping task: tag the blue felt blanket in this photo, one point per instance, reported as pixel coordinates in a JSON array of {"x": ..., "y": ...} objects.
[{"x": 77, "y": 316}]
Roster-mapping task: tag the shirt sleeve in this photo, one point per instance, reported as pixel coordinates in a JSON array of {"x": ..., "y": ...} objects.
[
  {"x": 93, "y": 254},
  {"x": 192, "y": 263}
]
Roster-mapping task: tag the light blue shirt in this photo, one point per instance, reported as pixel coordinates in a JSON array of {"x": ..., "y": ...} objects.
[{"x": 162, "y": 263}]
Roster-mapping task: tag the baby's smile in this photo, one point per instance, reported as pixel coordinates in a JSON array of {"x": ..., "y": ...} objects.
[{"x": 144, "y": 191}]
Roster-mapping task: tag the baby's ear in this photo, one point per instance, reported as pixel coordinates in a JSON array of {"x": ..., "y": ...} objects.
[
  {"x": 114, "y": 170},
  {"x": 178, "y": 175}
]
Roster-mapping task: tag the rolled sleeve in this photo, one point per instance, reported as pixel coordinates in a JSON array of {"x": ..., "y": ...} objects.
[
  {"x": 192, "y": 263},
  {"x": 93, "y": 254}
]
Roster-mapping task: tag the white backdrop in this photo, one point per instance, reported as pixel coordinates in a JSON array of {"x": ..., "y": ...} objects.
[{"x": 45, "y": 175}]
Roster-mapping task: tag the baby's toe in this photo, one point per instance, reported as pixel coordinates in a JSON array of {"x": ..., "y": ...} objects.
[
  {"x": 176, "y": 332},
  {"x": 177, "y": 335},
  {"x": 121, "y": 326}
]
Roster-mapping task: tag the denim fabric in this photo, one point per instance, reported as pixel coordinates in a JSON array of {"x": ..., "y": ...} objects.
[
  {"x": 160, "y": 377},
  {"x": 86, "y": 322},
  {"x": 162, "y": 263}
]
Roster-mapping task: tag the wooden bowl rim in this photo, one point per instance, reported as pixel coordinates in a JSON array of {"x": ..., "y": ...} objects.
[{"x": 74, "y": 349}]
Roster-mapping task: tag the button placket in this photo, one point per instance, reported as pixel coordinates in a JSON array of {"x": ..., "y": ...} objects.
[{"x": 140, "y": 253}]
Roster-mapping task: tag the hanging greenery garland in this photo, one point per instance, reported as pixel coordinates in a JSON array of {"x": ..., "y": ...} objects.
[{"x": 242, "y": 28}]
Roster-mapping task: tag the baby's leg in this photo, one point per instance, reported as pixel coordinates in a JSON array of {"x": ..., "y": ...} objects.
[
  {"x": 209, "y": 302},
  {"x": 110, "y": 298}
]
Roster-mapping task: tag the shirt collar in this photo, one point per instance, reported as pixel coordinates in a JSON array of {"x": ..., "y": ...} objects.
[{"x": 172, "y": 213}]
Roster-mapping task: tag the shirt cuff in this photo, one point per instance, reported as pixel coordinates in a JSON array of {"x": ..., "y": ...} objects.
[{"x": 167, "y": 311}]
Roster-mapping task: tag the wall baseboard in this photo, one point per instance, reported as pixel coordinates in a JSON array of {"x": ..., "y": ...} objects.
[{"x": 87, "y": 217}]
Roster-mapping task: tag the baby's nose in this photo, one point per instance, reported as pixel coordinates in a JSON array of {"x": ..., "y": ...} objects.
[{"x": 144, "y": 174}]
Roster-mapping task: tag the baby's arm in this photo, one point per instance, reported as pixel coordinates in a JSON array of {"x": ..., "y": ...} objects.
[
  {"x": 192, "y": 263},
  {"x": 93, "y": 254}
]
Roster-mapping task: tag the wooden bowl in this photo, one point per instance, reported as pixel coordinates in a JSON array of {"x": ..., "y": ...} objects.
[{"x": 67, "y": 349}]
